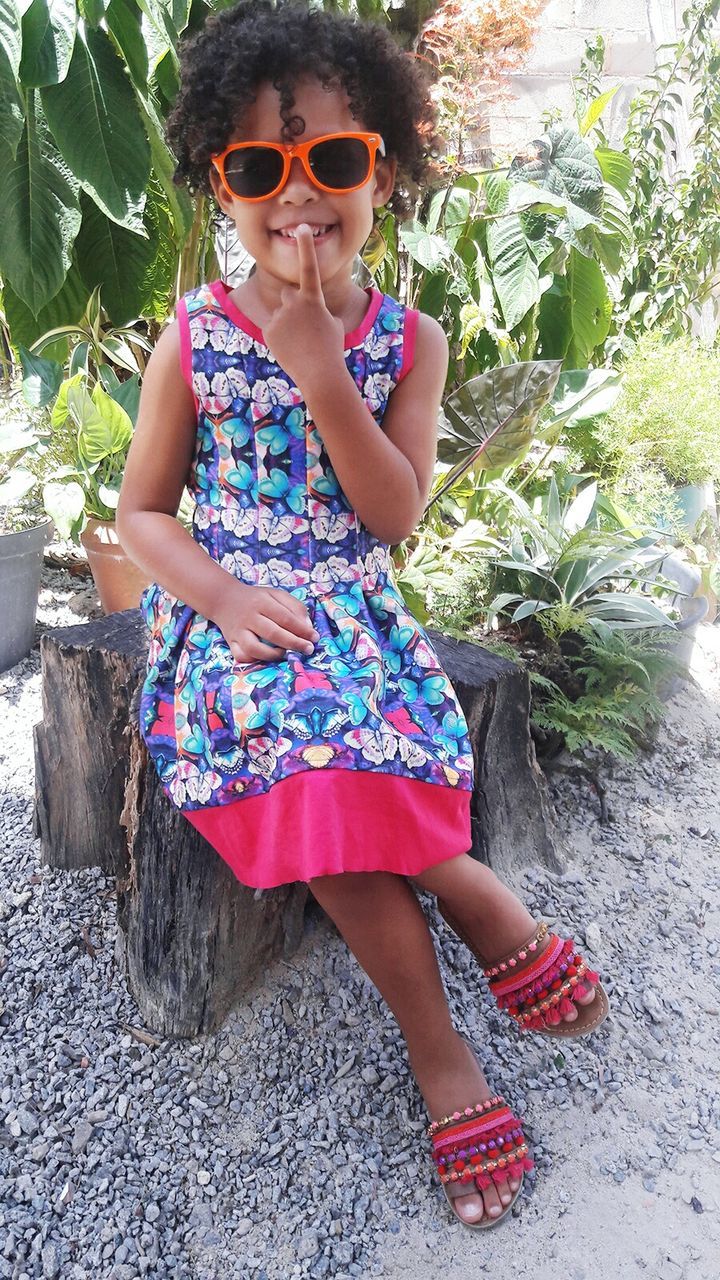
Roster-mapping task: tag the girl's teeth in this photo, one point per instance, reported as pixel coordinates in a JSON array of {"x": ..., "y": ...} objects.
[{"x": 317, "y": 231}]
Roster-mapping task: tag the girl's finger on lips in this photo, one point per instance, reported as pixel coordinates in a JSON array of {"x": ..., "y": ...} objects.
[{"x": 309, "y": 270}]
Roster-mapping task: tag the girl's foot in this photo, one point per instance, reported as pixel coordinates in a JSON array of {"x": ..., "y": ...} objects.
[
  {"x": 451, "y": 1080},
  {"x": 495, "y": 938}
]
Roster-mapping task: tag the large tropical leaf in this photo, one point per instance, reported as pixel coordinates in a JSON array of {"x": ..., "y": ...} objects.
[
  {"x": 11, "y": 34},
  {"x": 124, "y": 21},
  {"x": 564, "y": 164},
  {"x": 11, "y": 104},
  {"x": 591, "y": 307},
  {"x": 114, "y": 258},
  {"x": 39, "y": 212},
  {"x": 490, "y": 420},
  {"x": 515, "y": 273},
  {"x": 94, "y": 117},
  {"x": 48, "y": 37},
  {"x": 66, "y": 307}
]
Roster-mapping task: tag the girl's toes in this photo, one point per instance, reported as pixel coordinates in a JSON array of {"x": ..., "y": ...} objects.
[
  {"x": 491, "y": 1200},
  {"x": 513, "y": 1184},
  {"x": 588, "y": 997},
  {"x": 571, "y": 1016},
  {"x": 469, "y": 1206}
]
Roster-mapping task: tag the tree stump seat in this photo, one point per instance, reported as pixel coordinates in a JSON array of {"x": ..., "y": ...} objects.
[{"x": 191, "y": 939}]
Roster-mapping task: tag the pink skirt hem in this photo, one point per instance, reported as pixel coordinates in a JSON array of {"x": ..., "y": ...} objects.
[{"x": 331, "y": 821}]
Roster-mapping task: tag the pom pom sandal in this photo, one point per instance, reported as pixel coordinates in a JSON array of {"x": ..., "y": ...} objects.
[
  {"x": 539, "y": 994},
  {"x": 480, "y": 1145}
]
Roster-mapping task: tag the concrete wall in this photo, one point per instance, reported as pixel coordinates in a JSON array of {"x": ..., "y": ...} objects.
[{"x": 632, "y": 30}]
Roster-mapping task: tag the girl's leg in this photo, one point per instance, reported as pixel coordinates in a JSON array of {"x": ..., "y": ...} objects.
[
  {"x": 382, "y": 922},
  {"x": 490, "y": 913}
]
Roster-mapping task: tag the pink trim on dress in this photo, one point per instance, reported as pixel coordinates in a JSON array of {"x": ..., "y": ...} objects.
[
  {"x": 409, "y": 334},
  {"x": 186, "y": 348},
  {"x": 221, "y": 291},
  {"x": 328, "y": 821}
]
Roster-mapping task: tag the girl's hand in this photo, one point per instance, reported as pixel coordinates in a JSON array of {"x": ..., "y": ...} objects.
[
  {"x": 302, "y": 334},
  {"x": 254, "y": 614}
]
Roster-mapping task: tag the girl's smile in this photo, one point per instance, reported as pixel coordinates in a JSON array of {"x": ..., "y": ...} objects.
[{"x": 340, "y": 221}]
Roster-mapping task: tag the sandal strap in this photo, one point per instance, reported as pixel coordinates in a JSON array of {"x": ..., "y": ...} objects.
[
  {"x": 520, "y": 953},
  {"x": 486, "y": 1143}
]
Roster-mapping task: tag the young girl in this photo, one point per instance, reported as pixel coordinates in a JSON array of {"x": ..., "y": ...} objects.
[{"x": 296, "y": 713}]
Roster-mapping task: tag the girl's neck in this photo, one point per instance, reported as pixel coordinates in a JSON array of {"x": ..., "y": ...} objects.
[{"x": 261, "y": 294}]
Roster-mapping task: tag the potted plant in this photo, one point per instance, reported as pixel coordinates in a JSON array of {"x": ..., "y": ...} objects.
[
  {"x": 25, "y": 528},
  {"x": 93, "y": 403}
]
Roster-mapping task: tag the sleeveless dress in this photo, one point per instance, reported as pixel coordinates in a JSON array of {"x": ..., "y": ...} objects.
[{"x": 357, "y": 756}]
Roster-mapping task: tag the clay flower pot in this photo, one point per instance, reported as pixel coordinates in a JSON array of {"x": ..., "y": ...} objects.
[{"x": 119, "y": 581}]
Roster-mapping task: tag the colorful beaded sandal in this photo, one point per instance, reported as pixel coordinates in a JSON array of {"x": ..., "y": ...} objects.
[
  {"x": 542, "y": 992},
  {"x": 482, "y": 1144}
]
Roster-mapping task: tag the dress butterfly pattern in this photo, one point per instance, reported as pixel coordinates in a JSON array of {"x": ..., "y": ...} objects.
[{"x": 241, "y": 748}]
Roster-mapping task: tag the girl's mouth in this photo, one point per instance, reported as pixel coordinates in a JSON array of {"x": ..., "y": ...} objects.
[{"x": 321, "y": 232}]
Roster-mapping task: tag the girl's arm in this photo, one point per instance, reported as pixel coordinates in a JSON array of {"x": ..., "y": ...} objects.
[
  {"x": 155, "y": 473},
  {"x": 385, "y": 472},
  {"x": 157, "y": 468}
]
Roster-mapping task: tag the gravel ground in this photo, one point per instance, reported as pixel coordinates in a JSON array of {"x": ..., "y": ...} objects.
[{"x": 290, "y": 1143}]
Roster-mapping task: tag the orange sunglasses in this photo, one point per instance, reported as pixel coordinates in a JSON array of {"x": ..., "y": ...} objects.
[{"x": 337, "y": 162}]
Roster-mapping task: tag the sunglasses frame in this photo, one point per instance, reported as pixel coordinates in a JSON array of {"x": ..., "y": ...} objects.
[{"x": 302, "y": 150}]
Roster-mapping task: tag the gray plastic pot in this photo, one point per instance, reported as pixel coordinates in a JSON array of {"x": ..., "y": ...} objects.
[{"x": 21, "y": 558}]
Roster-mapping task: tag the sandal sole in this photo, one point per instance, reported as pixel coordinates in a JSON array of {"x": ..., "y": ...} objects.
[{"x": 566, "y": 1031}]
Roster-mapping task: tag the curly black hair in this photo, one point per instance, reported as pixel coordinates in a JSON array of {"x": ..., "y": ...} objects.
[{"x": 254, "y": 42}]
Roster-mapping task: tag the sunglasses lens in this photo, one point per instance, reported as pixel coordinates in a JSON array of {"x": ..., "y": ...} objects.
[
  {"x": 251, "y": 172},
  {"x": 340, "y": 163}
]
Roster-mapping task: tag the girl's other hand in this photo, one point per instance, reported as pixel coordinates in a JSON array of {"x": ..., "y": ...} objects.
[
  {"x": 303, "y": 336},
  {"x": 256, "y": 614}
]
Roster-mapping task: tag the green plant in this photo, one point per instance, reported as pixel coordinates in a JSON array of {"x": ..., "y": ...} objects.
[
  {"x": 666, "y": 417},
  {"x": 621, "y": 674},
  {"x": 672, "y": 269},
  {"x": 24, "y": 442},
  {"x": 558, "y": 555}
]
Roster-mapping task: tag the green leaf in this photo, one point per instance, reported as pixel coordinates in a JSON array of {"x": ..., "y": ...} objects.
[
  {"x": 591, "y": 307},
  {"x": 490, "y": 420},
  {"x": 48, "y": 36},
  {"x": 95, "y": 121},
  {"x": 124, "y": 22},
  {"x": 39, "y": 213},
  {"x": 432, "y": 252},
  {"x": 596, "y": 108},
  {"x": 16, "y": 435},
  {"x": 12, "y": 107},
  {"x": 60, "y": 410},
  {"x": 127, "y": 395},
  {"x": 41, "y": 378},
  {"x": 65, "y": 504},
  {"x": 93, "y": 11},
  {"x": 565, "y": 165},
  {"x": 515, "y": 273},
  {"x": 114, "y": 258},
  {"x": 616, "y": 168},
  {"x": 65, "y": 308},
  {"x": 16, "y": 487},
  {"x": 179, "y": 202},
  {"x": 581, "y": 394},
  {"x": 11, "y": 34}
]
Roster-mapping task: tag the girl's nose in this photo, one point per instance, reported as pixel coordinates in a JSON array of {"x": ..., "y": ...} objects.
[{"x": 298, "y": 187}]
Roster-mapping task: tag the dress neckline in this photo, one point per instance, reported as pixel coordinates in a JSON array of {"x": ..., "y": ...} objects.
[{"x": 220, "y": 290}]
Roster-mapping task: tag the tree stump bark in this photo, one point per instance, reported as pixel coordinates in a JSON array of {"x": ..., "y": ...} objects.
[
  {"x": 513, "y": 822},
  {"x": 191, "y": 938}
]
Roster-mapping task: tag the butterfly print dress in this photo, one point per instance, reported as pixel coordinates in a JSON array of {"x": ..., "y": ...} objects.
[{"x": 355, "y": 757}]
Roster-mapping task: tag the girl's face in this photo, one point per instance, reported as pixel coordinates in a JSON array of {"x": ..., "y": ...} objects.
[{"x": 347, "y": 219}]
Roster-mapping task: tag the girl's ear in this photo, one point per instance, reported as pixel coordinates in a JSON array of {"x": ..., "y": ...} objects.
[
  {"x": 224, "y": 200},
  {"x": 385, "y": 173}
]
